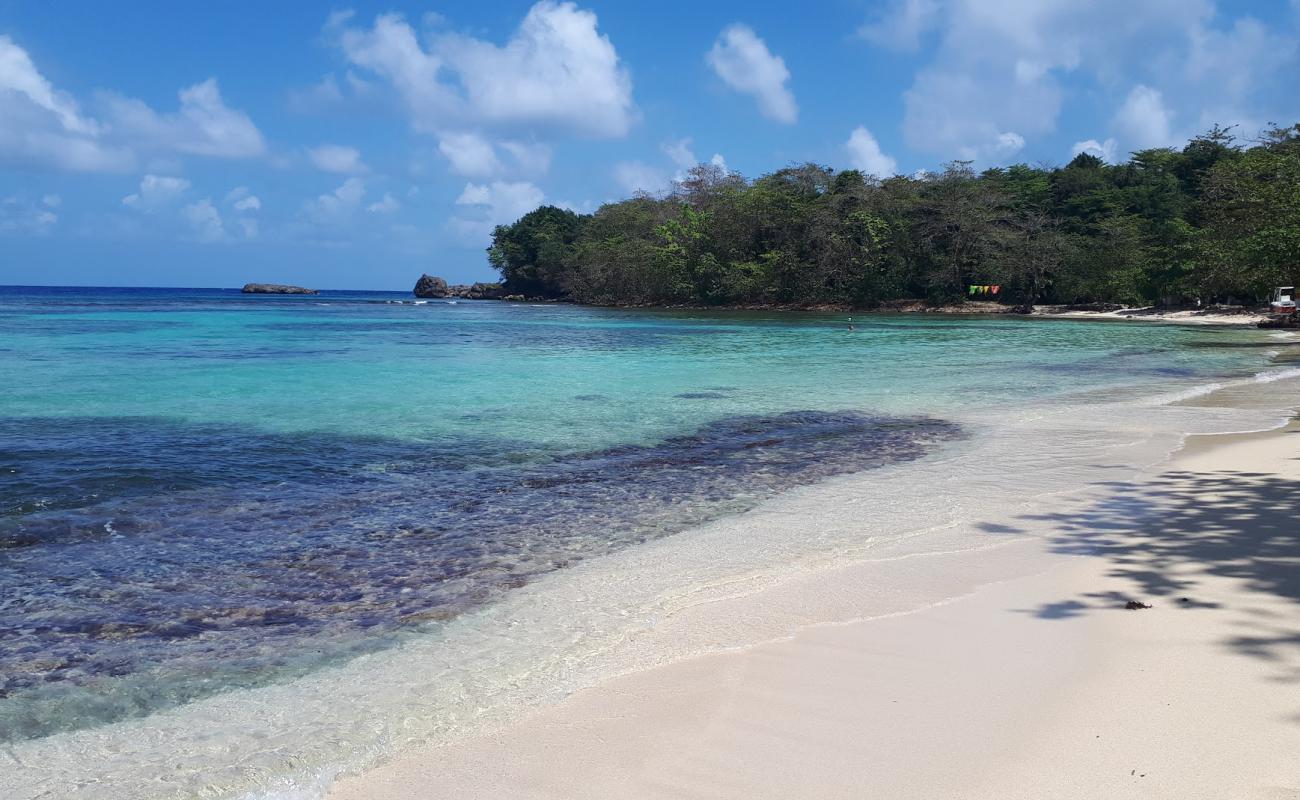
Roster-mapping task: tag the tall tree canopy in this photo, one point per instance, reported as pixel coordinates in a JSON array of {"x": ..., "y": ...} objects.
[{"x": 1213, "y": 221}]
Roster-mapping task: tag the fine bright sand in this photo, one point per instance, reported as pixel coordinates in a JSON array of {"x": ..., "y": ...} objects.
[{"x": 1033, "y": 686}]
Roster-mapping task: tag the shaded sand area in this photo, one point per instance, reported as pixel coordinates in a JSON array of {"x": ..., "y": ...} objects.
[{"x": 1024, "y": 685}]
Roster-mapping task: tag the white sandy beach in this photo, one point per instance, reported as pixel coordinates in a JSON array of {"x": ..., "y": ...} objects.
[
  {"x": 1206, "y": 316},
  {"x": 1034, "y": 685}
]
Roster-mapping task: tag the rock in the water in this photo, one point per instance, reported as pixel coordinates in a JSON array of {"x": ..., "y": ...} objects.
[
  {"x": 481, "y": 291},
  {"x": 430, "y": 286},
  {"x": 433, "y": 286},
  {"x": 275, "y": 288}
]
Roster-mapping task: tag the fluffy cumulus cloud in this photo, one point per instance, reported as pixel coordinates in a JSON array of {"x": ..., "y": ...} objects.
[
  {"x": 901, "y": 26},
  {"x": 492, "y": 106},
  {"x": 336, "y": 207},
  {"x": 20, "y": 216},
  {"x": 163, "y": 199},
  {"x": 245, "y": 205},
  {"x": 1001, "y": 73},
  {"x": 743, "y": 62},
  {"x": 337, "y": 158},
  {"x": 40, "y": 125},
  {"x": 865, "y": 154},
  {"x": 491, "y": 204},
  {"x": 1105, "y": 150},
  {"x": 44, "y": 127},
  {"x": 469, "y": 154},
  {"x": 385, "y": 205},
  {"x": 203, "y": 125},
  {"x": 683, "y": 157},
  {"x": 1144, "y": 120},
  {"x": 205, "y": 221},
  {"x": 156, "y": 193}
]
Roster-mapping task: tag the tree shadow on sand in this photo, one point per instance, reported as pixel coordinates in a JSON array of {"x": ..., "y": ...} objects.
[{"x": 1165, "y": 537}]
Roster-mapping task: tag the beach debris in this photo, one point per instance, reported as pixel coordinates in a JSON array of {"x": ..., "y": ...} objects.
[{"x": 1134, "y": 605}]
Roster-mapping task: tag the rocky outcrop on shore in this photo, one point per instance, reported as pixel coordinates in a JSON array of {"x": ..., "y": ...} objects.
[
  {"x": 433, "y": 286},
  {"x": 275, "y": 288}
]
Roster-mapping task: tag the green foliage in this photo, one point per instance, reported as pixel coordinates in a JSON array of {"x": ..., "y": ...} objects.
[{"x": 1211, "y": 221}]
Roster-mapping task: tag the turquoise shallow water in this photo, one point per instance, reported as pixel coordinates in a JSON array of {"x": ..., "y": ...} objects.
[{"x": 202, "y": 492}]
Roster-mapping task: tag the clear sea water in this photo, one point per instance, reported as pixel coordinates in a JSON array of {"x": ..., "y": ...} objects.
[{"x": 204, "y": 494}]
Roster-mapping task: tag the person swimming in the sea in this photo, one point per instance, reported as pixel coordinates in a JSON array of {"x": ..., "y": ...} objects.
[{"x": 850, "y": 323}]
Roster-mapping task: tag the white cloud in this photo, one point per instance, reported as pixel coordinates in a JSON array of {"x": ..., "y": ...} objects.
[
  {"x": 744, "y": 63},
  {"x": 681, "y": 154},
  {"x": 1008, "y": 68},
  {"x": 387, "y": 205},
  {"x": 903, "y": 24},
  {"x": 530, "y": 158},
  {"x": 318, "y": 96},
  {"x": 337, "y": 158},
  {"x": 205, "y": 221},
  {"x": 250, "y": 203},
  {"x": 204, "y": 125},
  {"x": 52, "y": 200},
  {"x": 1144, "y": 120},
  {"x": 156, "y": 192},
  {"x": 1106, "y": 150},
  {"x": 44, "y": 127},
  {"x": 497, "y": 203},
  {"x": 718, "y": 161},
  {"x": 470, "y": 154},
  {"x": 337, "y": 206},
  {"x": 20, "y": 217},
  {"x": 637, "y": 176},
  {"x": 557, "y": 73},
  {"x": 1008, "y": 144},
  {"x": 865, "y": 154},
  {"x": 19, "y": 75}
]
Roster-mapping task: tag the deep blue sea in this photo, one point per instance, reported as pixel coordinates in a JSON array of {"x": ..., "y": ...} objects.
[{"x": 204, "y": 492}]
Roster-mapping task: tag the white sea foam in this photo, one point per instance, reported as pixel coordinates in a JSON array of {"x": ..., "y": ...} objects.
[{"x": 1277, "y": 375}]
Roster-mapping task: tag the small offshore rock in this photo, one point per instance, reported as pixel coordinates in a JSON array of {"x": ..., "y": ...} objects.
[
  {"x": 275, "y": 288},
  {"x": 430, "y": 286}
]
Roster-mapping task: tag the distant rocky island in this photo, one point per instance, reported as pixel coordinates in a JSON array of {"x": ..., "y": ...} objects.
[
  {"x": 275, "y": 288},
  {"x": 433, "y": 286}
]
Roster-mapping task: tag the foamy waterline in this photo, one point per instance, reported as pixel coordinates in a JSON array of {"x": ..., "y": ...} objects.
[{"x": 605, "y": 617}]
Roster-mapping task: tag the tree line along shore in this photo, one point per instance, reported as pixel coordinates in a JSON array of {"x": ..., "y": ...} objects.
[{"x": 1217, "y": 221}]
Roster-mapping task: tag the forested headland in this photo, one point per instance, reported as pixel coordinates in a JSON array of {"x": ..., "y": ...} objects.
[{"x": 1216, "y": 221}]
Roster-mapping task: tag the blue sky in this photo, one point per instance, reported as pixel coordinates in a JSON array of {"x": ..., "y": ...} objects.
[{"x": 356, "y": 146}]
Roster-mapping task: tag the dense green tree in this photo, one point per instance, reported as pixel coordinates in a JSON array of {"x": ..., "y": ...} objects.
[
  {"x": 1251, "y": 208},
  {"x": 1212, "y": 221},
  {"x": 534, "y": 254}
]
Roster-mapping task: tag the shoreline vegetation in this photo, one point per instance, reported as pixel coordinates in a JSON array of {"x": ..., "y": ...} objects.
[{"x": 1213, "y": 223}]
